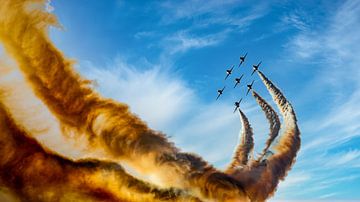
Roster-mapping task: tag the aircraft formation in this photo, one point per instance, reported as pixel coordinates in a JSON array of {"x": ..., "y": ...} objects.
[{"x": 238, "y": 80}]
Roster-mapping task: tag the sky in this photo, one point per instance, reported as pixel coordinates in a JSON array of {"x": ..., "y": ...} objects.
[{"x": 166, "y": 60}]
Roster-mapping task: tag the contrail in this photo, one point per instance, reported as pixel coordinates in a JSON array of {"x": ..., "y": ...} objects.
[
  {"x": 36, "y": 175},
  {"x": 245, "y": 146},
  {"x": 109, "y": 125},
  {"x": 273, "y": 120}
]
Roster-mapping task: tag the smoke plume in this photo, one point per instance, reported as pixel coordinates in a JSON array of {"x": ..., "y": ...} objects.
[
  {"x": 265, "y": 175},
  {"x": 38, "y": 173},
  {"x": 245, "y": 146}
]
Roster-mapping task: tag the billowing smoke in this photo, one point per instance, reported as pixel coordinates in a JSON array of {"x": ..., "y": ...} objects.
[
  {"x": 265, "y": 175},
  {"x": 110, "y": 125},
  {"x": 246, "y": 145},
  {"x": 36, "y": 173}
]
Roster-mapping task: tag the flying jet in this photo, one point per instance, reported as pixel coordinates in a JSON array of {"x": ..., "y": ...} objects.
[
  {"x": 237, "y": 80},
  {"x": 242, "y": 59},
  {"x": 228, "y": 72},
  {"x": 249, "y": 87},
  {"x": 220, "y": 92},
  {"x": 237, "y": 105},
  {"x": 255, "y": 68}
]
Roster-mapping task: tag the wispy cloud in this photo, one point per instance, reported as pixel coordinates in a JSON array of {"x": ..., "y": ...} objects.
[
  {"x": 213, "y": 12},
  {"x": 337, "y": 46},
  {"x": 198, "y": 24},
  {"x": 305, "y": 47},
  {"x": 336, "y": 42},
  {"x": 328, "y": 195},
  {"x": 183, "y": 41},
  {"x": 155, "y": 94},
  {"x": 344, "y": 158},
  {"x": 334, "y": 48},
  {"x": 340, "y": 124},
  {"x": 193, "y": 8},
  {"x": 295, "y": 20},
  {"x": 295, "y": 179}
]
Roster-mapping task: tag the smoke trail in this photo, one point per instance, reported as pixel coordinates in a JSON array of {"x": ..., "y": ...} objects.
[
  {"x": 35, "y": 175},
  {"x": 245, "y": 146},
  {"x": 280, "y": 163},
  {"x": 262, "y": 178},
  {"x": 35, "y": 118},
  {"x": 110, "y": 125},
  {"x": 273, "y": 120}
]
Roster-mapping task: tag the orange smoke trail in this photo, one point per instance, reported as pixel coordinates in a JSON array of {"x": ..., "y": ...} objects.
[
  {"x": 273, "y": 120},
  {"x": 110, "y": 125},
  {"x": 35, "y": 175},
  {"x": 245, "y": 146}
]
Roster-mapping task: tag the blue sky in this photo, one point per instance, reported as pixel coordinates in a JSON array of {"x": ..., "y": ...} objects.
[{"x": 167, "y": 58}]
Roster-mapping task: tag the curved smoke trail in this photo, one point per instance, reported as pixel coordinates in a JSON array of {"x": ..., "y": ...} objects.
[
  {"x": 36, "y": 175},
  {"x": 273, "y": 120},
  {"x": 246, "y": 145},
  {"x": 266, "y": 175},
  {"x": 110, "y": 125}
]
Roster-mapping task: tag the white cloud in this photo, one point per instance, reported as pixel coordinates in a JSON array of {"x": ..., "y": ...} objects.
[
  {"x": 345, "y": 115},
  {"x": 337, "y": 46},
  {"x": 337, "y": 43},
  {"x": 182, "y": 41},
  {"x": 212, "y": 12},
  {"x": 156, "y": 95},
  {"x": 305, "y": 47},
  {"x": 295, "y": 19},
  {"x": 189, "y": 9},
  {"x": 199, "y": 15},
  {"x": 344, "y": 158},
  {"x": 340, "y": 124},
  {"x": 295, "y": 179},
  {"x": 334, "y": 49}
]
